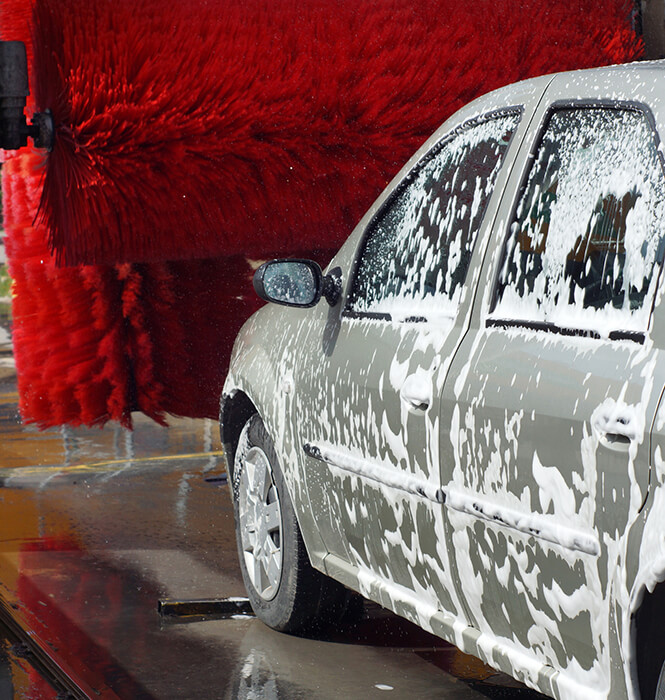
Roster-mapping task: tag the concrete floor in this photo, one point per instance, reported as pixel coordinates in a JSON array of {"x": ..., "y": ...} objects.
[{"x": 98, "y": 526}]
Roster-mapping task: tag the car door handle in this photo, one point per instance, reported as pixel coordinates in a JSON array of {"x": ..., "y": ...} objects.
[
  {"x": 416, "y": 391},
  {"x": 616, "y": 430},
  {"x": 615, "y": 441}
]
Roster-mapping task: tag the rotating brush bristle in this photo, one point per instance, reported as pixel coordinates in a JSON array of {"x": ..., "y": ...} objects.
[{"x": 189, "y": 135}]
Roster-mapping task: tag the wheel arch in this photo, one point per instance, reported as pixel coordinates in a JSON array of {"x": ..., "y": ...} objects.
[{"x": 235, "y": 410}]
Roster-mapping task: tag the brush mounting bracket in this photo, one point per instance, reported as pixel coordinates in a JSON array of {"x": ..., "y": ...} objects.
[{"x": 14, "y": 128}]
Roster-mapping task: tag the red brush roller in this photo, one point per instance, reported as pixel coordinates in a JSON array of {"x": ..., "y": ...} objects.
[
  {"x": 190, "y": 135},
  {"x": 222, "y": 127}
]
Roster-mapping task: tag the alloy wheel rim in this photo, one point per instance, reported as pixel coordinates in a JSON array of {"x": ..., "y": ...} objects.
[{"x": 260, "y": 518}]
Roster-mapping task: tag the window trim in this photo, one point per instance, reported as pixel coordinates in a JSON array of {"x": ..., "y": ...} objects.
[
  {"x": 636, "y": 336},
  {"x": 545, "y": 326},
  {"x": 517, "y": 110}
]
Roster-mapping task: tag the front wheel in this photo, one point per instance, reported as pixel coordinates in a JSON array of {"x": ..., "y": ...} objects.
[
  {"x": 660, "y": 687},
  {"x": 284, "y": 590}
]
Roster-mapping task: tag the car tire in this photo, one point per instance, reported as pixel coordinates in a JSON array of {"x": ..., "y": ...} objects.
[
  {"x": 660, "y": 685},
  {"x": 650, "y": 645},
  {"x": 283, "y": 588}
]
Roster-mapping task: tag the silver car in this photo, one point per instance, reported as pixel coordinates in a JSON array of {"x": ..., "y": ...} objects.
[{"x": 462, "y": 419}]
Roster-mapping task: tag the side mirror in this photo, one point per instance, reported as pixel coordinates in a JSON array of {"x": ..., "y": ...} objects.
[{"x": 297, "y": 283}]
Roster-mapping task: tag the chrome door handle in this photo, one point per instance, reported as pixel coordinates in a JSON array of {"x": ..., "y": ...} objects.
[{"x": 416, "y": 391}]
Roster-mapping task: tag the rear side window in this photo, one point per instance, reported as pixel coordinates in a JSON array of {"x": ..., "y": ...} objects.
[
  {"x": 586, "y": 242},
  {"x": 417, "y": 250}
]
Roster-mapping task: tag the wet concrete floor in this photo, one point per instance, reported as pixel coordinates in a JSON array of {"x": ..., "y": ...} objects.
[{"x": 98, "y": 526}]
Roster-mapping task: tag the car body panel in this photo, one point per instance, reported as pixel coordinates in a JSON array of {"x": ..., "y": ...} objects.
[{"x": 459, "y": 472}]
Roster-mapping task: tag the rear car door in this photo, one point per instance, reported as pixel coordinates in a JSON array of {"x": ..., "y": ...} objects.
[{"x": 554, "y": 389}]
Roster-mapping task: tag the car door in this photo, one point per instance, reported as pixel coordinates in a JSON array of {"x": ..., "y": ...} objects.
[
  {"x": 369, "y": 421},
  {"x": 545, "y": 461}
]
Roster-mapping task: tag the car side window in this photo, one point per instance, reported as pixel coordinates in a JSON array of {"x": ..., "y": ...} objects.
[
  {"x": 586, "y": 242},
  {"x": 417, "y": 250}
]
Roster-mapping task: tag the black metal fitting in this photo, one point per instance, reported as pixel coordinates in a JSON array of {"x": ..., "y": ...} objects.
[{"x": 14, "y": 90}]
